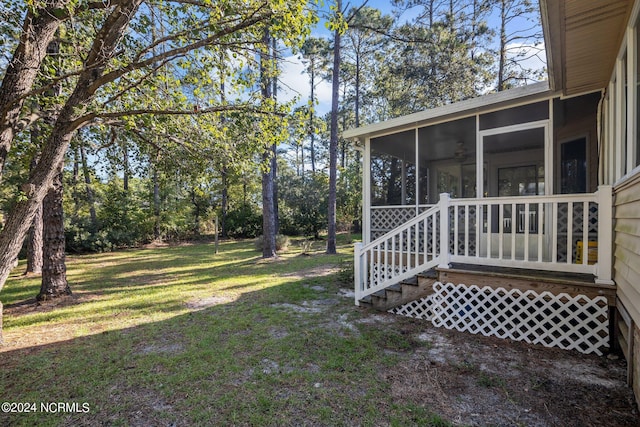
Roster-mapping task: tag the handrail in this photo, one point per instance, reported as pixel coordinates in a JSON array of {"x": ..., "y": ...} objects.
[
  {"x": 535, "y": 232},
  {"x": 409, "y": 223},
  {"x": 518, "y": 200},
  {"x": 399, "y": 254}
]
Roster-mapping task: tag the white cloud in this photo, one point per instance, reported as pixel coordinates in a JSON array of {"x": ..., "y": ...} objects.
[
  {"x": 295, "y": 81},
  {"x": 529, "y": 56}
]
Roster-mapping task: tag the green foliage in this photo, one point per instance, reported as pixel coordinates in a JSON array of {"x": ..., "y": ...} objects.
[
  {"x": 282, "y": 242},
  {"x": 122, "y": 217},
  {"x": 245, "y": 221},
  {"x": 303, "y": 206},
  {"x": 122, "y": 221},
  {"x": 439, "y": 57}
]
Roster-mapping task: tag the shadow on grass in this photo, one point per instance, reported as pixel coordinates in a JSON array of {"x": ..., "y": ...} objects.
[
  {"x": 270, "y": 357},
  {"x": 233, "y": 341},
  {"x": 145, "y": 274}
]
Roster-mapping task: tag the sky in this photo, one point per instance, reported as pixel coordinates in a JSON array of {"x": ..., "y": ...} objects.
[{"x": 295, "y": 81}]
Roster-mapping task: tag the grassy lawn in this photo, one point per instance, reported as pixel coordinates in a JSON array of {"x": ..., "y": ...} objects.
[{"x": 183, "y": 336}]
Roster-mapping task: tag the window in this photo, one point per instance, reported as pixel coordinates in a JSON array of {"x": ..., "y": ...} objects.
[{"x": 573, "y": 166}]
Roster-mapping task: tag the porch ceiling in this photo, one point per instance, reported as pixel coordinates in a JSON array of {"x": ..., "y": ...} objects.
[{"x": 582, "y": 41}]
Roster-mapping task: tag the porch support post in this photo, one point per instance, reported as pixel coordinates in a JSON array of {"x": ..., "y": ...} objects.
[
  {"x": 445, "y": 255},
  {"x": 366, "y": 192},
  {"x": 404, "y": 182},
  {"x": 357, "y": 272},
  {"x": 479, "y": 161},
  {"x": 604, "y": 267},
  {"x": 549, "y": 154},
  {"x": 417, "y": 163}
]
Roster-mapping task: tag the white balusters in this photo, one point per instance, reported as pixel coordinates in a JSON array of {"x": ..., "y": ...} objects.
[{"x": 535, "y": 232}]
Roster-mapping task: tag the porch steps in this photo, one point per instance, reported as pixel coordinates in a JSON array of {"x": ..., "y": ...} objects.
[
  {"x": 420, "y": 285},
  {"x": 416, "y": 287}
]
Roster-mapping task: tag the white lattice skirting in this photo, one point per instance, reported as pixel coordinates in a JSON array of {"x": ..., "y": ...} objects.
[{"x": 572, "y": 323}]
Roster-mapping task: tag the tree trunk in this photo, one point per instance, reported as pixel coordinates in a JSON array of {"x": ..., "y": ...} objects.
[
  {"x": 34, "y": 239},
  {"x": 54, "y": 270},
  {"x": 125, "y": 165},
  {"x": 76, "y": 180},
  {"x": 67, "y": 123},
  {"x": 224, "y": 203},
  {"x": 268, "y": 223},
  {"x": 39, "y": 28},
  {"x": 312, "y": 132},
  {"x": 87, "y": 183},
  {"x": 503, "y": 47},
  {"x": 268, "y": 209},
  {"x": 156, "y": 204},
  {"x": 274, "y": 148},
  {"x": 274, "y": 179},
  {"x": 196, "y": 212},
  {"x": 224, "y": 174},
  {"x": 333, "y": 142},
  {"x": 34, "y": 245}
]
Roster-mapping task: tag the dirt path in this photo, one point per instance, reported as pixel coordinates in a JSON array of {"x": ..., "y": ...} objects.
[{"x": 482, "y": 381}]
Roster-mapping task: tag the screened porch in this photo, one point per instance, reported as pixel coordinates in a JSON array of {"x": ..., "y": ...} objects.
[{"x": 509, "y": 183}]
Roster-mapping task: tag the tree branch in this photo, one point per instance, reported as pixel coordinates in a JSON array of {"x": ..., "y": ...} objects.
[{"x": 173, "y": 53}]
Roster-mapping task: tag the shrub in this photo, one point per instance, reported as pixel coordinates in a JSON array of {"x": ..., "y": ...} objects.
[
  {"x": 282, "y": 242},
  {"x": 244, "y": 222}
]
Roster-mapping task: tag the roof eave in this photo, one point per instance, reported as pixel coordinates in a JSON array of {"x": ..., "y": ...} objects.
[
  {"x": 451, "y": 111},
  {"x": 550, "y": 13}
]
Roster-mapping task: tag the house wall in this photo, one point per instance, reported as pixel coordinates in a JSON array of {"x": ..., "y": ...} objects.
[
  {"x": 627, "y": 268},
  {"x": 620, "y": 166},
  {"x": 627, "y": 245}
]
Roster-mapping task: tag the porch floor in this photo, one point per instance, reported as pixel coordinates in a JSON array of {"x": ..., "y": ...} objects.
[{"x": 525, "y": 279}]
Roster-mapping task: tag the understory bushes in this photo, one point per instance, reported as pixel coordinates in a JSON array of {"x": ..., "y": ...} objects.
[
  {"x": 282, "y": 242},
  {"x": 244, "y": 222}
]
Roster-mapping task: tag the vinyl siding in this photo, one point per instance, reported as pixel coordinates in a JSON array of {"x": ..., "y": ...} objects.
[{"x": 627, "y": 245}]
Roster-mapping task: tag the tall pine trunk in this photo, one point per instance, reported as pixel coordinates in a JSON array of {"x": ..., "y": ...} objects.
[
  {"x": 268, "y": 209},
  {"x": 224, "y": 203},
  {"x": 333, "y": 142},
  {"x": 502, "y": 59},
  {"x": 34, "y": 238},
  {"x": 156, "y": 204},
  {"x": 54, "y": 270},
  {"x": 274, "y": 147},
  {"x": 312, "y": 132},
  {"x": 87, "y": 184},
  {"x": 34, "y": 245}
]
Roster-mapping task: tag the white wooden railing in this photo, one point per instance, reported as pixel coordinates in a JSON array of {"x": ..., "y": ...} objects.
[{"x": 538, "y": 232}]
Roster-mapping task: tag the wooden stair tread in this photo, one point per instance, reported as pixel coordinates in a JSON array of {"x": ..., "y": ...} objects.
[
  {"x": 429, "y": 274},
  {"x": 395, "y": 288},
  {"x": 400, "y": 293},
  {"x": 410, "y": 281}
]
